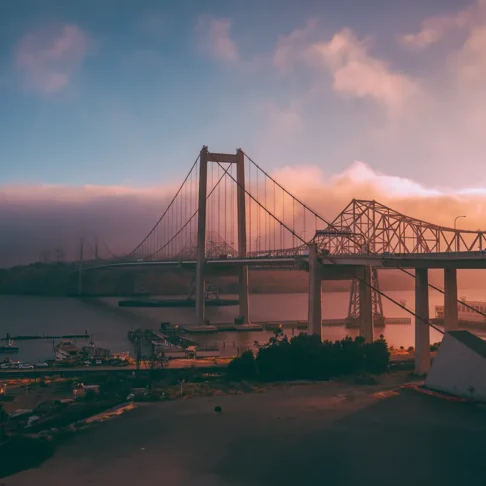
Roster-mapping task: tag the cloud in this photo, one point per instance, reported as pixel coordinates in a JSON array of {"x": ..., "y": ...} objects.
[
  {"x": 40, "y": 218},
  {"x": 469, "y": 62},
  {"x": 355, "y": 72},
  {"x": 435, "y": 29},
  {"x": 358, "y": 74},
  {"x": 294, "y": 47},
  {"x": 48, "y": 58},
  {"x": 215, "y": 39}
]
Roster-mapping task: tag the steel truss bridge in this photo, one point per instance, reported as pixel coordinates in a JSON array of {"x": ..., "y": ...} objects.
[{"x": 229, "y": 213}]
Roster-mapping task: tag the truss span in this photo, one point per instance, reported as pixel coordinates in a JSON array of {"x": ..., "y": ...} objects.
[{"x": 370, "y": 227}]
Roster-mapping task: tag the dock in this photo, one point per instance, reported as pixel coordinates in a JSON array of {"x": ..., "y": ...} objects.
[
  {"x": 275, "y": 325},
  {"x": 33, "y": 337},
  {"x": 223, "y": 327}
]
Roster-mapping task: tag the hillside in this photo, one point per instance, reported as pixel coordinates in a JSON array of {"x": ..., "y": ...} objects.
[{"x": 61, "y": 279}]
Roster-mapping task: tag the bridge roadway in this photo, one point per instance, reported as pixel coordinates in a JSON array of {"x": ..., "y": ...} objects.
[
  {"x": 343, "y": 267},
  {"x": 459, "y": 260}
]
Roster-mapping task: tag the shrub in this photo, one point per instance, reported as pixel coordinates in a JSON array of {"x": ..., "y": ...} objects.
[
  {"x": 243, "y": 367},
  {"x": 306, "y": 357},
  {"x": 377, "y": 356}
]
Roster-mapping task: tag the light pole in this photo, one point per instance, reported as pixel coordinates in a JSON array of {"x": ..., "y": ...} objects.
[{"x": 455, "y": 231}]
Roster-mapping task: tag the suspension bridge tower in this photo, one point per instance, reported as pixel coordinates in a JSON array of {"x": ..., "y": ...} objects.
[{"x": 238, "y": 159}]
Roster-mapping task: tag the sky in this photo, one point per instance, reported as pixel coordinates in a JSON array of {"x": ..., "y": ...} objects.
[{"x": 105, "y": 105}]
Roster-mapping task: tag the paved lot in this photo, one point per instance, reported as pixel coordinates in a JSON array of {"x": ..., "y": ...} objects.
[{"x": 308, "y": 435}]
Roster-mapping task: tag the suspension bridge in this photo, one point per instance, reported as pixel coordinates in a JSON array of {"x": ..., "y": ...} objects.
[{"x": 229, "y": 215}]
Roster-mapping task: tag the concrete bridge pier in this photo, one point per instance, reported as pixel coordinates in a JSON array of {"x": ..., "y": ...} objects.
[
  {"x": 365, "y": 305},
  {"x": 451, "y": 321},
  {"x": 422, "y": 331},
  {"x": 314, "y": 295}
]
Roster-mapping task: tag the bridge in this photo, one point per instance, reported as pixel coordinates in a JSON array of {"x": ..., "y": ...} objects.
[{"x": 229, "y": 215}]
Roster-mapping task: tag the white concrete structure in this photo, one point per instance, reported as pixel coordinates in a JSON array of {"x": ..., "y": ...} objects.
[{"x": 460, "y": 366}]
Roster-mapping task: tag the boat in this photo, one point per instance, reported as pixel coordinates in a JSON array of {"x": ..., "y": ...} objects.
[
  {"x": 10, "y": 347},
  {"x": 465, "y": 312},
  {"x": 67, "y": 350}
]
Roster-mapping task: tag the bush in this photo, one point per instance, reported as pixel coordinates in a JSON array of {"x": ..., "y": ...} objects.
[
  {"x": 377, "y": 356},
  {"x": 435, "y": 346},
  {"x": 243, "y": 367},
  {"x": 306, "y": 357}
]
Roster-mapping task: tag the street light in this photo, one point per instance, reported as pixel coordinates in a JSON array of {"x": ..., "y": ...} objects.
[
  {"x": 455, "y": 236},
  {"x": 457, "y": 217}
]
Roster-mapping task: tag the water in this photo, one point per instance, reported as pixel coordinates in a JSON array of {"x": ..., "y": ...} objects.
[{"x": 108, "y": 324}]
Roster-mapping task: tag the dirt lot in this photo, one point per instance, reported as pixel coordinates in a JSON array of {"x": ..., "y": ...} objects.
[{"x": 330, "y": 433}]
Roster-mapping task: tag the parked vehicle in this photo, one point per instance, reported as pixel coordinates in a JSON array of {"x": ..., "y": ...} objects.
[{"x": 26, "y": 366}]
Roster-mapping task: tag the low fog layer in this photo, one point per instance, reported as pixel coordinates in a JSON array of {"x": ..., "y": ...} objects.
[{"x": 44, "y": 218}]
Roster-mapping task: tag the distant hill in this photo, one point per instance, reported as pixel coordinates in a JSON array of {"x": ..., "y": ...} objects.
[{"x": 61, "y": 279}]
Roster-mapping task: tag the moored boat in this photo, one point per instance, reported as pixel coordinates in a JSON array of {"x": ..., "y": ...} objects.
[{"x": 10, "y": 347}]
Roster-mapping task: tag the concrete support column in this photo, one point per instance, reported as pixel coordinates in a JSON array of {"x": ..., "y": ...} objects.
[
  {"x": 450, "y": 299},
  {"x": 366, "y": 305},
  {"x": 241, "y": 210},
  {"x": 201, "y": 237},
  {"x": 422, "y": 331},
  {"x": 314, "y": 308}
]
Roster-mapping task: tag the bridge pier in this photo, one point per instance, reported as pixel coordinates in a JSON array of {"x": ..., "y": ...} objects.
[
  {"x": 450, "y": 299},
  {"x": 366, "y": 305},
  {"x": 314, "y": 295},
  {"x": 422, "y": 331}
]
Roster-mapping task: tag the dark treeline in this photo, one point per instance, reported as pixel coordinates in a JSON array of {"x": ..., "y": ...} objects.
[
  {"x": 306, "y": 357},
  {"x": 62, "y": 279}
]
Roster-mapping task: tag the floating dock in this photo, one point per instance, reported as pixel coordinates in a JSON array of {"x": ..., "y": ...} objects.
[
  {"x": 275, "y": 325},
  {"x": 176, "y": 303},
  {"x": 32, "y": 337},
  {"x": 224, "y": 327}
]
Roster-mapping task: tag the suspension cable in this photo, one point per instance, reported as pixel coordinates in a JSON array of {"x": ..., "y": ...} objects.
[
  {"x": 165, "y": 212},
  {"x": 426, "y": 321},
  {"x": 336, "y": 229}
]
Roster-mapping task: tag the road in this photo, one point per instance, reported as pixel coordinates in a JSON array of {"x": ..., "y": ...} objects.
[
  {"x": 330, "y": 433},
  {"x": 176, "y": 364}
]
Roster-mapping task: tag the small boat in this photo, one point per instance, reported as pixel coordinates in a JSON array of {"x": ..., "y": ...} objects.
[{"x": 10, "y": 347}]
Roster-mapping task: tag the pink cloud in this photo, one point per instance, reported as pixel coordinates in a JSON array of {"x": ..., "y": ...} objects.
[
  {"x": 357, "y": 73},
  {"x": 48, "y": 58},
  {"x": 434, "y": 29},
  {"x": 216, "y": 40}
]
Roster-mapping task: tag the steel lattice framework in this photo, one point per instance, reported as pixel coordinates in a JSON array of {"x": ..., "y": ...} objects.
[
  {"x": 277, "y": 224},
  {"x": 370, "y": 227}
]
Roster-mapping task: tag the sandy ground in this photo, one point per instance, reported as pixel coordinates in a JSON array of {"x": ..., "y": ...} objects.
[{"x": 333, "y": 433}]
